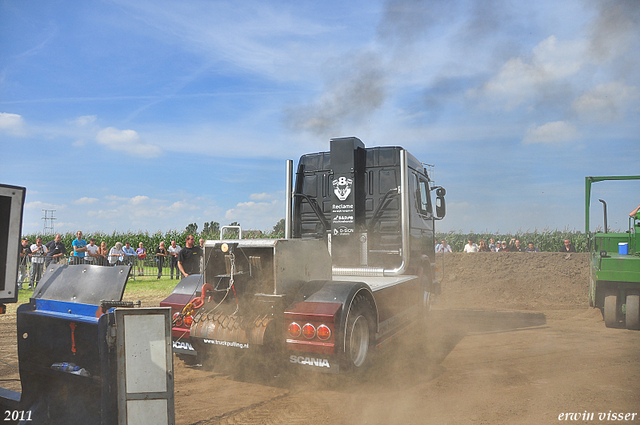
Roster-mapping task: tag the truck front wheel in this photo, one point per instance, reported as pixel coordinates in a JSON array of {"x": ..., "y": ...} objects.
[{"x": 358, "y": 335}]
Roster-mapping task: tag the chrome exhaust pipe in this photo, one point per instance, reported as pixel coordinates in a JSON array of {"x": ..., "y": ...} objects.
[{"x": 288, "y": 214}]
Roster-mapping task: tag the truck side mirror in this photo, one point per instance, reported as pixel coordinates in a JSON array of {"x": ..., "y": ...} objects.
[{"x": 441, "y": 206}]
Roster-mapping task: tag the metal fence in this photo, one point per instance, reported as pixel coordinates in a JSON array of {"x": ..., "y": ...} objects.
[{"x": 151, "y": 265}]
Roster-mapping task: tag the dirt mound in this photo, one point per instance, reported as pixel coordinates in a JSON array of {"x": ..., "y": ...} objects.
[{"x": 514, "y": 281}]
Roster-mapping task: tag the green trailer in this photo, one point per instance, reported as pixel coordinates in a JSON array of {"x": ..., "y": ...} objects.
[{"x": 614, "y": 266}]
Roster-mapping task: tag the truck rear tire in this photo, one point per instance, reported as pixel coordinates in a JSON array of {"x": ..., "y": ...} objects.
[
  {"x": 611, "y": 311},
  {"x": 632, "y": 318},
  {"x": 358, "y": 336}
]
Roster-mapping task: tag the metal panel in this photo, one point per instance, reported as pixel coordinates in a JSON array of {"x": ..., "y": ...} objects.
[
  {"x": 299, "y": 260},
  {"x": 190, "y": 285},
  {"x": 242, "y": 243},
  {"x": 294, "y": 261},
  {"x": 377, "y": 283},
  {"x": 83, "y": 283},
  {"x": 148, "y": 412},
  {"x": 145, "y": 366},
  {"x": 11, "y": 205}
]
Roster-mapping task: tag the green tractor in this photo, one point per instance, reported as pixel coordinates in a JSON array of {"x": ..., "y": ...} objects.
[{"x": 614, "y": 266}]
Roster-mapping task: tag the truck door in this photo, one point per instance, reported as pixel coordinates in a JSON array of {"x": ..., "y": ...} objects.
[{"x": 422, "y": 217}]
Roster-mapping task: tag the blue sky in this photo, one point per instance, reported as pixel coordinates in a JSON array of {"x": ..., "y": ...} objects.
[{"x": 151, "y": 115}]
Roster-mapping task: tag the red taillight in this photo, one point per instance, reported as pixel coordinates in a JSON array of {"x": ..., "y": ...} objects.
[
  {"x": 295, "y": 330},
  {"x": 309, "y": 331},
  {"x": 177, "y": 319},
  {"x": 188, "y": 321},
  {"x": 324, "y": 333}
]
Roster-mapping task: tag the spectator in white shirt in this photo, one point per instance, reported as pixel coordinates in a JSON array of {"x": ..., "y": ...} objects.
[
  {"x": 443, "y": 247},
  {"x": 116, "y": 255},
  {"x": 174, "y": 250},
  {"x": 471, "y": 246},
  {"x": 92, "y": 252},
  {"x": 38, "y": 251}
]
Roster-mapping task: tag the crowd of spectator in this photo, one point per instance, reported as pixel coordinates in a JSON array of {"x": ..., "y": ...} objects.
[
  {"x": 514, "y": 245},
  {"x": 36, "y": 257}
]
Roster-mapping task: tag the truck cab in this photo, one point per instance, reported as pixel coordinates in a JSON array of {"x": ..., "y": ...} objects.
[
  {"x": 372, "y": 207},
  {"x": 356, "y": 267}
]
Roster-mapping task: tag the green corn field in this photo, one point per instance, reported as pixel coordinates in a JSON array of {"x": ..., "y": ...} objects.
[
  {"x": 150, "y": 240},
  {"x": 545, "y": 240}
]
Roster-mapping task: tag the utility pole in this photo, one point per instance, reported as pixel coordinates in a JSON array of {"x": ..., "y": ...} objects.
[{"x": 49, "y": 218}]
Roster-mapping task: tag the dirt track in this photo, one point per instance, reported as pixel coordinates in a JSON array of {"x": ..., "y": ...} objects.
[{"x": 512, "y": 341}]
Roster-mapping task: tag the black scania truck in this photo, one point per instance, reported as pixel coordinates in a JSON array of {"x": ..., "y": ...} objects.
[{"x": 356, "y": 266}]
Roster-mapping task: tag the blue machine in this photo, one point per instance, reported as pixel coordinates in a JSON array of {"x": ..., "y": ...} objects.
[{"x": 66, "y": 321}]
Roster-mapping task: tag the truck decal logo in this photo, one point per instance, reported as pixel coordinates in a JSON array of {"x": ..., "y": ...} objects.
[
  {"x": 183, "y": 345},
  {"x": 310, "y": 361},
  {"x": 226, "y": 343},
  {"x": 342, "y": 187},
  {"x": 342, "y": 230}
]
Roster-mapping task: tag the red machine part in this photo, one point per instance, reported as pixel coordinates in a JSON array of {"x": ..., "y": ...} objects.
[
  {"x": 310, "y": 327},
  {"x": 177, "y": 303},
  {"x": 72, "y": 325},
  {"x": 199, "y": 302},
  {"x": 184, "y": 317}
]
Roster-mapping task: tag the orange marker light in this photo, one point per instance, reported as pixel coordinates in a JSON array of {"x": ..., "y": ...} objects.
[
  {"x": 309, "y": 331},
  {"x": 324, "y": 333},
  {"x": 295, "y": 330}
]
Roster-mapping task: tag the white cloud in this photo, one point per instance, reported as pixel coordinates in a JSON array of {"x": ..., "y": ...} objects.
[
  {"x": 606, "y": 102},
  {"x": 128, "y": 141},
  {"x": 115, "y": 198},
  {"x": 181, "y": 206},
  {"x": 139, "y": 199},
  {"x": 85, "y": 201},
  {"x": 552, "y": 132},
  {"x": 84, "y": 129},
  {"x": 262, "y": 196},
  {"x": 113, "y": 137},
  {"x": 520, "y": 79},
  {"x": 142, "y": 212},
  {"x": 256, "y": 215},
  {"x": 39, "y": 205},
  {"x": 12, "y": 124},
  {"x": 84, "y": 120}
]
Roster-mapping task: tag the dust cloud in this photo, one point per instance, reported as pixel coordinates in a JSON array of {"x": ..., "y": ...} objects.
[{"x": 359, "y": 83}]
